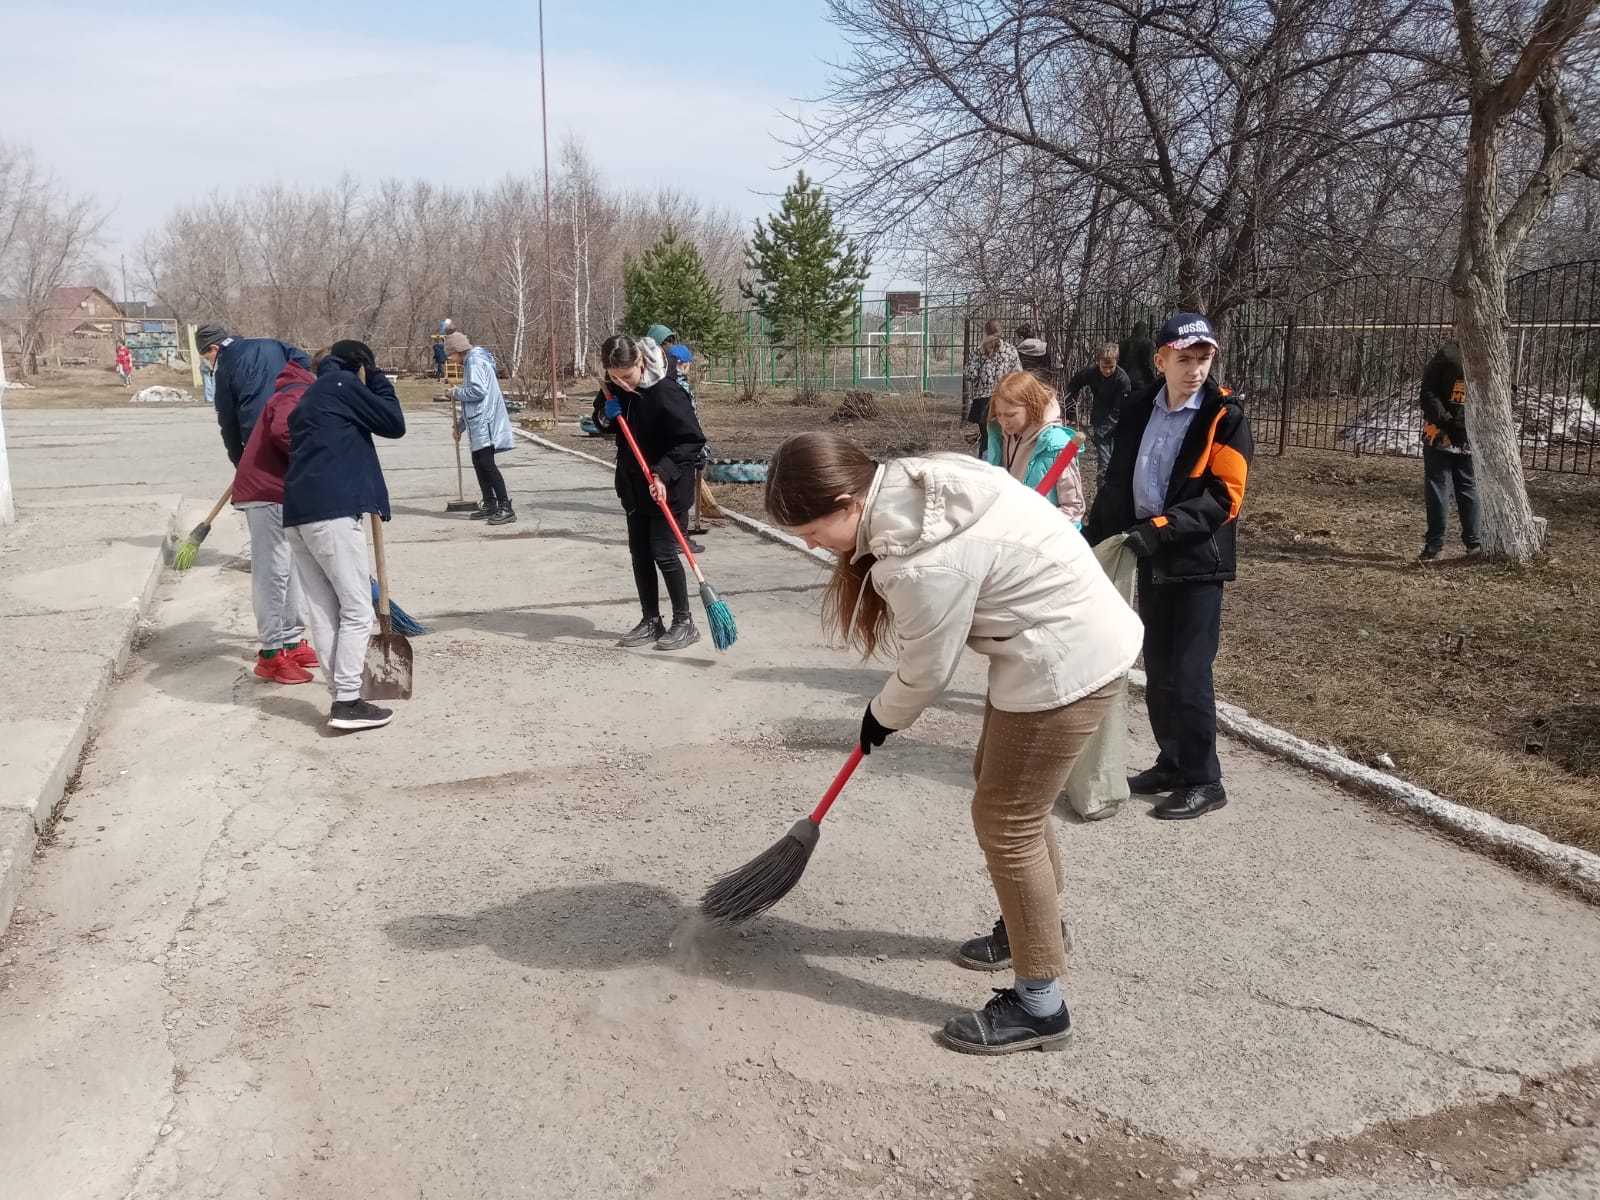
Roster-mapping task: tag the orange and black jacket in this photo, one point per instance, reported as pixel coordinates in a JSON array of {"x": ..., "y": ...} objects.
[
  {"x": 1197, "y": 532},
  {"x": 1444, "y": 403}
]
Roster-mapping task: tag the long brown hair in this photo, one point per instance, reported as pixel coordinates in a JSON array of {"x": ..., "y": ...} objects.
[
  {"x": 991, "y": 340},
  {"x": 1021, "y": 387},
  {"x": 805, "y": 478}
]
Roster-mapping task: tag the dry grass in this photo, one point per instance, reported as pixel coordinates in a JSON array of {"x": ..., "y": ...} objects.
[{"x": 1477, "y": 679}]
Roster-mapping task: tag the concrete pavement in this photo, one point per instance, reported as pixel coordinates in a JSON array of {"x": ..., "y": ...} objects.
[{"x": 457, "y": 957}]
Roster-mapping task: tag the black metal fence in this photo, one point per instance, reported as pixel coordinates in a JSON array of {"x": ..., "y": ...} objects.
[{"x": 1341, "y": 369}]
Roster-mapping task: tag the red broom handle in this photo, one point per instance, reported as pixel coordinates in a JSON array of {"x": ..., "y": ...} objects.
[
  {"x": 1063, "y": 461},
  {"x": 622, "y": 424},
  {"x": 839, "y": 780}
]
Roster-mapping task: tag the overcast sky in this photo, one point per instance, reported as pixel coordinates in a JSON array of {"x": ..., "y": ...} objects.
[{"x": 150, "y": 105}]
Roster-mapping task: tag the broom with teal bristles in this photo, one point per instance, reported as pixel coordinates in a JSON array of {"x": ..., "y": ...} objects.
[{"x": 718, "y": 616}]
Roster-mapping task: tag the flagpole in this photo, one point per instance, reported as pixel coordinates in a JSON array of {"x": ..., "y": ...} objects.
[{"x": 549, "y": 250}]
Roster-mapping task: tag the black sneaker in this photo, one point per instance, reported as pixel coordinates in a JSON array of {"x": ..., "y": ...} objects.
[
  {"x": 682, "y": 635},
  {"x": 646, "y": 631},
  {"x": 483, "y": 512},
  {"x": 992, "y": 952},
  {"x": 1429, "y": 553},
  {"x": 1154, "y": 781},
  {"x": 1004, "y": 1026},
  {"x": 358, "y": 714},
  {"x": 503, "y": 515}
]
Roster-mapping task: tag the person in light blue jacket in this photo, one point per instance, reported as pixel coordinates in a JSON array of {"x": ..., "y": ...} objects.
[{"x": 486, "y": 423}]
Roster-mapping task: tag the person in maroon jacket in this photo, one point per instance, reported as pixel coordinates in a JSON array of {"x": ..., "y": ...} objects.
[{"x": 285, "y": 657}]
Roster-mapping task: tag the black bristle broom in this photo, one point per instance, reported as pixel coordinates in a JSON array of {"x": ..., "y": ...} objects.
[{"x": 742, "y": 895}]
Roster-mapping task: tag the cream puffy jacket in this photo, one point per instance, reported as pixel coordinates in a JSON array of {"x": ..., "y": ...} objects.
[{"x": 967, "y": 556}]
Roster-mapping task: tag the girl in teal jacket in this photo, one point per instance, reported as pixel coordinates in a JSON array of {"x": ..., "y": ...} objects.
[{"x": 1026, "y": 436}]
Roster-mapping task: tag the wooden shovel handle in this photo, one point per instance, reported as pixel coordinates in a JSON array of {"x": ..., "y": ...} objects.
[
  {"x": 383, "y": 573},
  {"x": 211, "y": 518}
]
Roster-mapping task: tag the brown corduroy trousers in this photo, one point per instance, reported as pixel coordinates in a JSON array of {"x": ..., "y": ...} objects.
[{"x": 1021, "y": 764}]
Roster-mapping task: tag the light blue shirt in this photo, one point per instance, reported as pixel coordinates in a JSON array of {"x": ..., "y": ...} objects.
[{"x": 1158, "y": 453}]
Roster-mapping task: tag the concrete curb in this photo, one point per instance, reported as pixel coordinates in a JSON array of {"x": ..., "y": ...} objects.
[
  {"x": 19, "y": 833},
  {"x": 1578, "y": 869}
]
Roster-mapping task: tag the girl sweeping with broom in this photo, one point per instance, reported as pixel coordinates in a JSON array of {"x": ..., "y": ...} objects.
[
  {"x": 942, "y": 553},
  {"x": 661, "y": 418}
]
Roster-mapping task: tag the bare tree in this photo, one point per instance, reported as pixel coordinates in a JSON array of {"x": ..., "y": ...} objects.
[
  {"x": 47, "y": 237},
  {"x": 1214, "y": 122},
  {"x": 1508, "y": 59}
]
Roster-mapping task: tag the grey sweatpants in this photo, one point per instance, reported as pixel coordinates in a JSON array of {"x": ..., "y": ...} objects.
[
  {"x": 273, "y": 587},
  {"x": 331, "y": 557}
]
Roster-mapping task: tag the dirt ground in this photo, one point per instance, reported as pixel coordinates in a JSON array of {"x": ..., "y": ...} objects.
[
  {"x": 1475, "y": 679},
  {"x": 457, "y": 958}
]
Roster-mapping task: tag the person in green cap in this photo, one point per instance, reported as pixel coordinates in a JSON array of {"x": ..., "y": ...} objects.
[{"x": 676, "y": 353}]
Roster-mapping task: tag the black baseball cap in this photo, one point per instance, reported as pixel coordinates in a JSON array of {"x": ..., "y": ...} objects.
[{"x": 1186, "y": 329}]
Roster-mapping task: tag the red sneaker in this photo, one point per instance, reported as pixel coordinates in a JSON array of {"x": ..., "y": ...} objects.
[
  {"x": 280, "y": 668},
  {"x": 303, "y": 655}
]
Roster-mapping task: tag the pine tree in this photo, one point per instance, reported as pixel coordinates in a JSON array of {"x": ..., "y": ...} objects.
[
  {"x": 669, "y": 286},
  {"x": 806, "y": 273}
]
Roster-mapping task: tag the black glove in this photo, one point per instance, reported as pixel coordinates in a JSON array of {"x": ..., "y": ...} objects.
[
  {"x": 1143, "y": 539},
  {"x": 872, "y": 732}
]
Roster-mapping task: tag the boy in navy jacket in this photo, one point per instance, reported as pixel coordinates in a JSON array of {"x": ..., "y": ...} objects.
[{"x": 333, "y": 483}]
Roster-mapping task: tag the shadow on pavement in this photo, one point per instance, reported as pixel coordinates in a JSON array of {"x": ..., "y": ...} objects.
[{"x": 614, "y": 925}]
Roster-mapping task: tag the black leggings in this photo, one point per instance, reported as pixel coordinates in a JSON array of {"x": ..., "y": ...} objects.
[
  {"x": 490, "y": 482},
  {"x": 652, "y": 547}
]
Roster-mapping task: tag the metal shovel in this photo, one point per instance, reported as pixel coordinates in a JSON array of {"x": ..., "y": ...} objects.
[{"x": 386, "y": 674}]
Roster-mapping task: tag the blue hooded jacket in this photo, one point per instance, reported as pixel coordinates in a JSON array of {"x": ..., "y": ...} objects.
[
  {"x": 246, "y": 371},
  {"x": 483, "y": 405},
  {"x": 333, "y": 465}
]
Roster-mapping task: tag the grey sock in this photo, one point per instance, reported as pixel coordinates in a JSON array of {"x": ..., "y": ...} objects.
[{"x": 1041, "y": 997}]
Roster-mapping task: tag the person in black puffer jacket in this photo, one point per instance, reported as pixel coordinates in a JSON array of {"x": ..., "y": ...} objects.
[
  {"x": 662, "y": 419},
  {"x": 1446, "y": 453}
]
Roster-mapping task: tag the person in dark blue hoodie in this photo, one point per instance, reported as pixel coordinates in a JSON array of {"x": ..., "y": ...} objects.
[
  {"x": 333, "y": 483},
  {"x": 246, "y": 370}
]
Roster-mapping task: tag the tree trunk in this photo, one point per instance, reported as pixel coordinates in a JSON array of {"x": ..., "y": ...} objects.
[{"x": 1506, "y": 522}]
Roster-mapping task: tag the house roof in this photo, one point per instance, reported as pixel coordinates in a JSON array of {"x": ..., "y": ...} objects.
[{"x": 65, "y": 301}]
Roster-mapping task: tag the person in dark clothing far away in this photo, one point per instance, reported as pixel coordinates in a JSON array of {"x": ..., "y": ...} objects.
[
  {"x": 1179, "y": 460},
  {"x": 1138, "y": 357},
  {"x": 662, "y": 420},
  {"x": 333, "y": 484},
  {"x": 1034, "y": 353},
  {"x": 439, "y": 356},
  {"x": 1109, "y": 386},
  {"x": 1446, "y": 454}
]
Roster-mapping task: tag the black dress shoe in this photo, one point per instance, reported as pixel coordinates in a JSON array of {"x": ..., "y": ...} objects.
[
  {"x": 1004, "y": 1026},
  {"x": 1191, "y": 802},
  {"x": 992, "y": 952},
  {"x": 1154, "y": 781}
]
